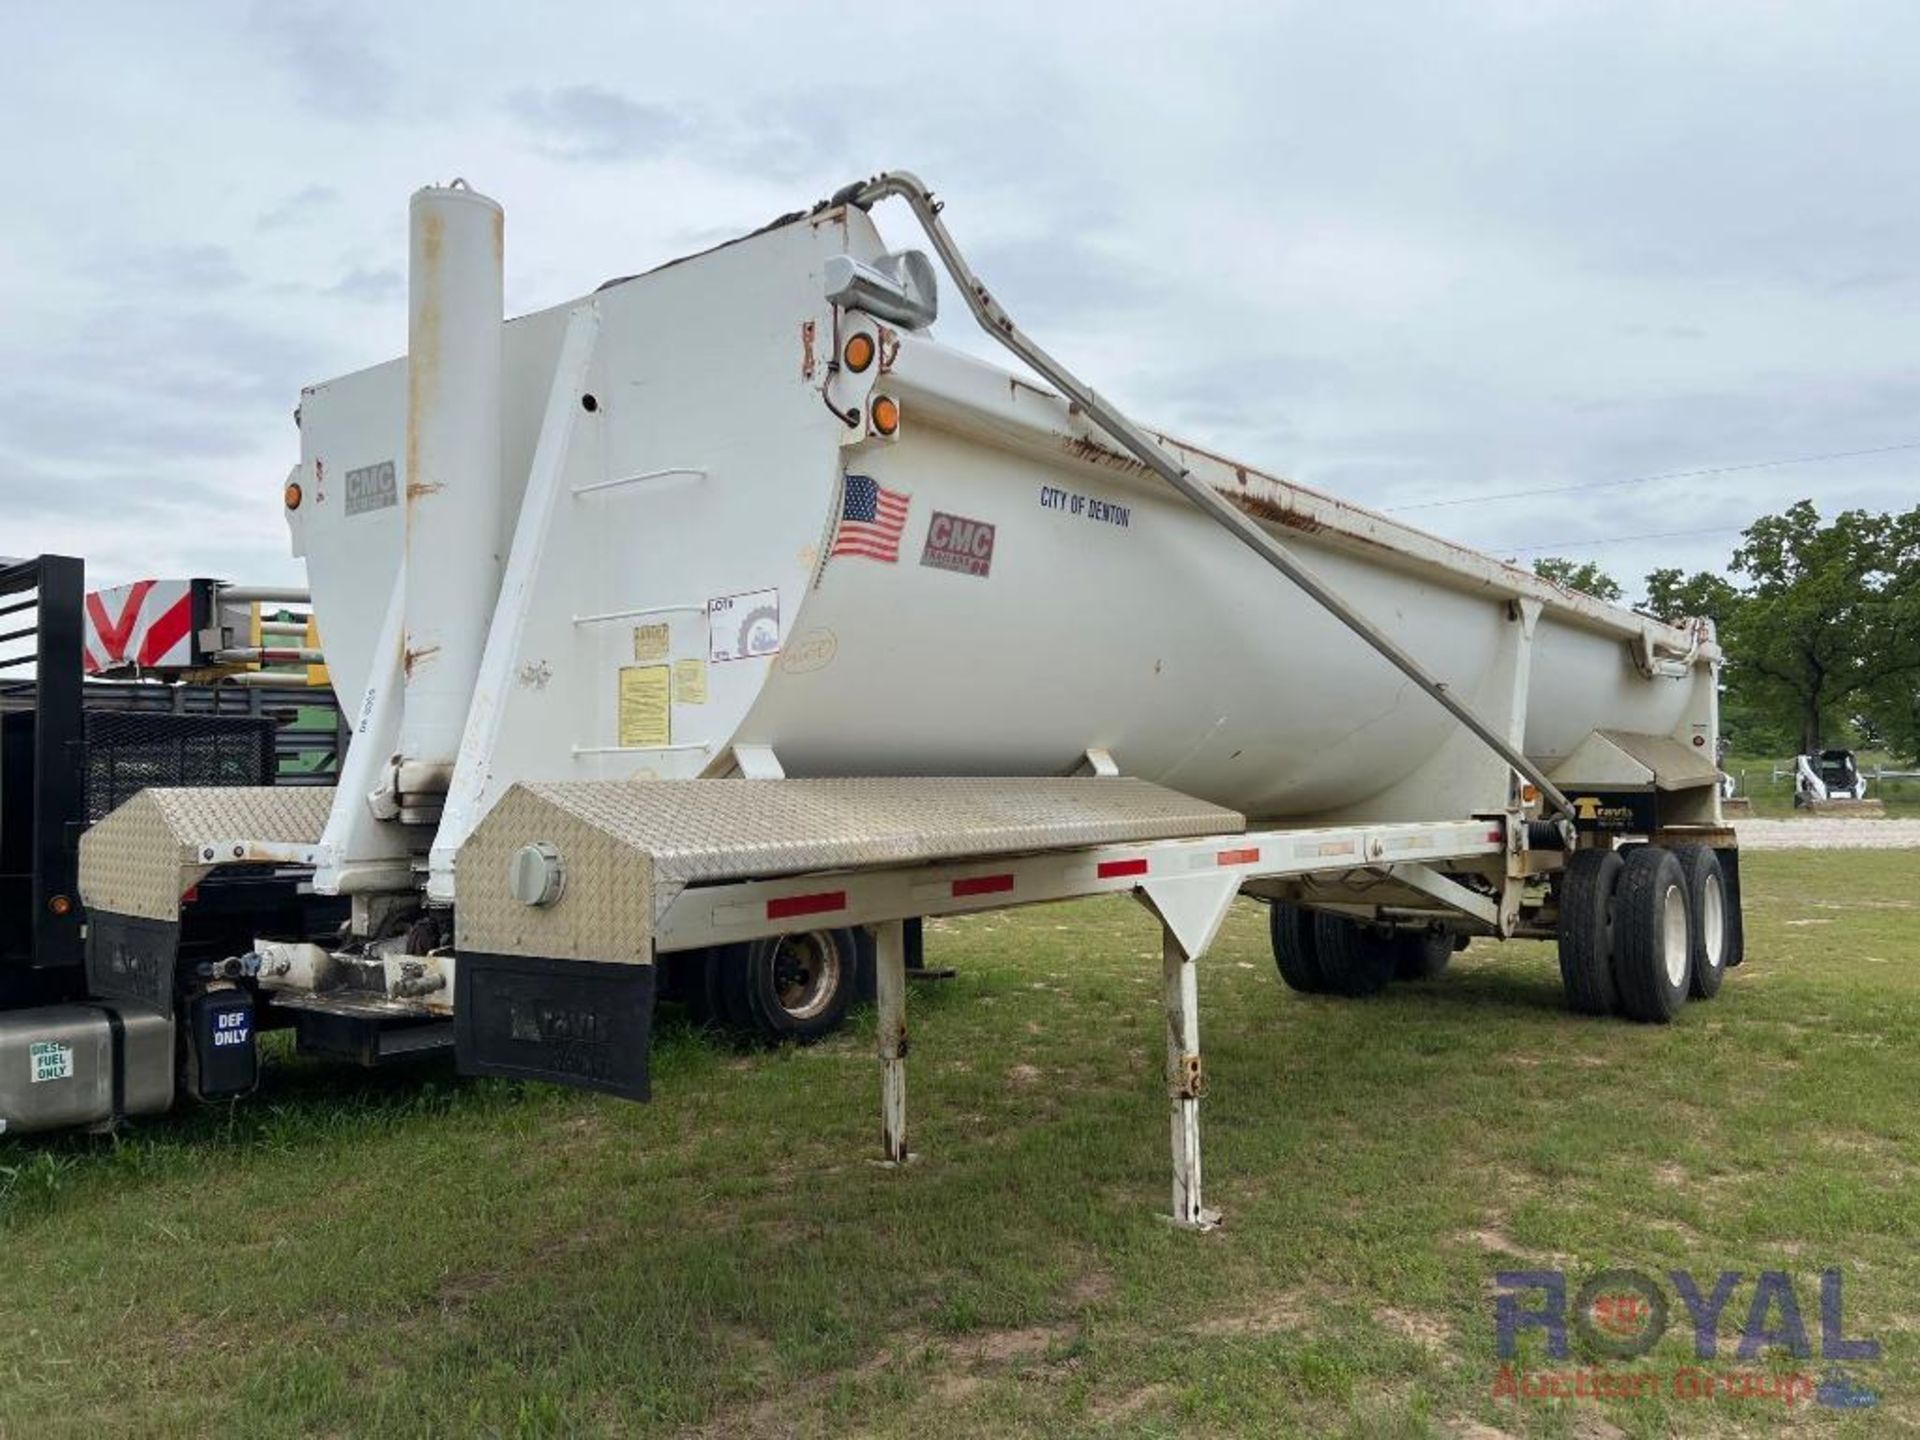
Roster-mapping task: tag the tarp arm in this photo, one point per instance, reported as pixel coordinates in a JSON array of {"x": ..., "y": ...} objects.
[{"x": 997, "y": 323}]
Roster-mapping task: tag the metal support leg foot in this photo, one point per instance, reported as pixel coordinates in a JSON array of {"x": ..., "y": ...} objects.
[{"x": 890, "y": 985}]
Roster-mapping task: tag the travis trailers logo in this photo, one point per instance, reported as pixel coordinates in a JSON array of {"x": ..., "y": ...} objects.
[{"x": 958, "y": 544}]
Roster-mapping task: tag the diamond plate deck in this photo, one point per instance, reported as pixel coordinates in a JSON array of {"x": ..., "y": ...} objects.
[
  {"x": 699, "y": 830},
  {"x": 630, "y": 846}
]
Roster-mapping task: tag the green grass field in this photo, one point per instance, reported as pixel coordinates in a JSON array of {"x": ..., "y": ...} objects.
[{"x": 390, "y": 1255}]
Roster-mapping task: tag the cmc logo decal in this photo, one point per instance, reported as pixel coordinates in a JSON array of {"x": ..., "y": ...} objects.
[
  {"x": 958, "y": 544},
  {"x": 371, "y": 488}
]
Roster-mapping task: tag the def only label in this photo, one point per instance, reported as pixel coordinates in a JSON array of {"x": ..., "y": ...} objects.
[
  {"x": 231, "y": 1028},
  {"x": 225, "y": 1061}
]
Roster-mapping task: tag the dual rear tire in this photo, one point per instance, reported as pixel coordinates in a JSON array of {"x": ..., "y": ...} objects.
[
  {"x": 1645, "y": 928},
  {"x": 1322, "y": 954},
  {"x": 1641, "y": 930},
  {"x": 783, "y": 987}
]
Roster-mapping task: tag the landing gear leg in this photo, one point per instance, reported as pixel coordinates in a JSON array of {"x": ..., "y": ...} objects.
[
  {"x": 1190, "y": 911},
  {"x": 890, "y": 993},
  {"x": 1186, "y": 1083}
]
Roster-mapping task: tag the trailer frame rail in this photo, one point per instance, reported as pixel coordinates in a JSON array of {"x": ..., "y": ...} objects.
[
  {"x": 724, "y": 914},
  {"x": 1188, "y": 884}
]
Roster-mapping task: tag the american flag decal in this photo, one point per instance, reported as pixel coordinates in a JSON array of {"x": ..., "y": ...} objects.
[{"x": 871, "y": 519}]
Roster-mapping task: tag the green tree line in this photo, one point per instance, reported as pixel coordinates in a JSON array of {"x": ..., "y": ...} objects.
[{"x": 1820, "y": 622}]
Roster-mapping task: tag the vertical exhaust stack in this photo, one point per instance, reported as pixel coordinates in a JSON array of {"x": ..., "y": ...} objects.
[{"x": 454, "y": 505}]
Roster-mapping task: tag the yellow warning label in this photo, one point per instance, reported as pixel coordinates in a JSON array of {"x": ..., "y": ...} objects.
[
  {"x": 645, "y": 716},
  {"x": 689, "y": 682},
  {"x": 650, "y": 642}
]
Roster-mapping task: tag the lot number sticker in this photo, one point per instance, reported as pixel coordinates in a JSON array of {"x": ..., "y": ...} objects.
[{"x": 743, "y": 627}]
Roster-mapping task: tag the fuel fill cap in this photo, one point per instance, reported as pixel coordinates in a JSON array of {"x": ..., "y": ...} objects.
[{"x": 536, "y": 875}]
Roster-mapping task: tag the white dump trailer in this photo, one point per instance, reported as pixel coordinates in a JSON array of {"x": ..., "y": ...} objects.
[{"x": 705, "y": 631}]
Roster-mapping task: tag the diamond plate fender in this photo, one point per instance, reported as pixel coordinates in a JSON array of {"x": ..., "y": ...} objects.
[
  {"x": 628, "y": 847},
  {"x": 147, "y": 853}
]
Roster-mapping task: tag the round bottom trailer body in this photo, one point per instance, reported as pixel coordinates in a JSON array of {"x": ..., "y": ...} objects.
[{"x": 714, "y": 551}]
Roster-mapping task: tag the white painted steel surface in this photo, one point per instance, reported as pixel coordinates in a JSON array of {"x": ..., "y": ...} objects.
[
  {"x": 451, "y": 495},
  {"x": 693, "y": 463}
]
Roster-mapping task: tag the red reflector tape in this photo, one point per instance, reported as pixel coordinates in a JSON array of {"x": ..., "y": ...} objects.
[
  {"x": 789, "y": 906},
  {"x": 982, "y": 885},
  {"x": 1114, "y": 869},
  {"x": 1498, "y": 837},
  {"x": 1250, "y": 856}
]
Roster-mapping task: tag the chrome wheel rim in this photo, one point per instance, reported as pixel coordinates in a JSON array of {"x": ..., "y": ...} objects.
[
  {"x": 1673, "y": 925},
  {"x": 806, "y": 974},
  {"x": 1713, "y": 922}
]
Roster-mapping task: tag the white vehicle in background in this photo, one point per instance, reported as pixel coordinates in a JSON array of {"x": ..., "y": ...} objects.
[
  {"x": 704, "y": 631},
  {"x": 1831, "y": 780}
]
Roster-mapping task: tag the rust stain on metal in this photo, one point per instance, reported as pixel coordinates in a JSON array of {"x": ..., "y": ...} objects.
[
  {"x": 1246, "y": 474},
  {"x": 806, "y": 349},
  {"x": 1261, "y": 508},
  {"x": 1193, "y": 1078},
  {"x": 420, "y": 489},
  {"x": 889, "y": 348},
  {"x": 423, "y": 347},
  {"x": 412, "y": 657},
  {"x": 1082, "y": 448}
]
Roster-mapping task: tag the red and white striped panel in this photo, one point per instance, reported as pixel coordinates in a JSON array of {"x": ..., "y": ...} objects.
[{"x": 147, "y": 625}]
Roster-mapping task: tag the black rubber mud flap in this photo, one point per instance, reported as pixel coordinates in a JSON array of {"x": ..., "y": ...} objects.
[
  {"x": 584, "y": 1023},
  {"x": 1736, "y": 923},
  {"x": 130, "y": 957}
]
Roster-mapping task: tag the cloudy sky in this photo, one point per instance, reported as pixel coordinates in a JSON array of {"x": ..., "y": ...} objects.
[{"x": 1412, "y": 253}]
